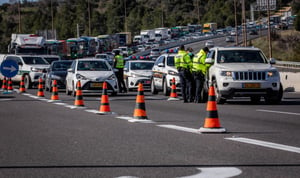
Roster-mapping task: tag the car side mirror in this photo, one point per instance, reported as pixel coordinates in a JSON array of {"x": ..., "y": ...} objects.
[
  {"x": 20, "y": 63},
  {"x": 160, "y": 65},
  {"x": 272, "y": 61},
  {"x": 70, "y": 70},
  {"x": 209, "y": 60}
]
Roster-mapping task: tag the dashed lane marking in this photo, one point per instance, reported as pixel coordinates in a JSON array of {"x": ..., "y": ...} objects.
[
  {"x": 217, "y": 172},
  {"x": 185, "y": 129},
  {"x": 266, "y": 144},
  {"x": 279, "y": 112}
]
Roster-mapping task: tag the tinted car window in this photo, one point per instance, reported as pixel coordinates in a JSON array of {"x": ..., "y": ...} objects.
[
  {"x": 170, "y": 61},
  {"x": 34, "y": 60},
  {"x": 92, "y": 66}
]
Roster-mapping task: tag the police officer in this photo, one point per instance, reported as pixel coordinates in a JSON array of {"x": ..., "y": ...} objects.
[
  {"x": 119, "y": 65},
  {"x": 183, "y": 64},
  {"x": 199, "y": 71}
]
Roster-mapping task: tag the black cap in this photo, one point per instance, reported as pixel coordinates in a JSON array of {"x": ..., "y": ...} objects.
[
  {"x": 181, "y": 47},
  {"x": 206, "y": 49}
]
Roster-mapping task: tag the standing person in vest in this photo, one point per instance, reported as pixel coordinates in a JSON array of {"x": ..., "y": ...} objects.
[
  {"x": 199, "y": 71},
  {"x": 119, "y": 65},
  {"x": 183, "y": 64}
]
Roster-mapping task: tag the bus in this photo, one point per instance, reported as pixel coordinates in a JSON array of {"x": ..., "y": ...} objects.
[
  {"x": 75, "y": 48},
  {"x": 194, "y": 28},
  {"x": 209, "y": 28},
  {"x": 55, "y": 47},
  {"x": 89, "y": 46}
]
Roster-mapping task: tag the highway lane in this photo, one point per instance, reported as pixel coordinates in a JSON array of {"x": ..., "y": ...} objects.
[{"x": 40, "y": 138}]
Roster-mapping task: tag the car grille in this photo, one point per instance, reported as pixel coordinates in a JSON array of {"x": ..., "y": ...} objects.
[{"x": 249, "y": 75}]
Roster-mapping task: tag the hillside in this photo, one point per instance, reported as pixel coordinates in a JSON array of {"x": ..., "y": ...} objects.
[{"x": 112, "y": 16}]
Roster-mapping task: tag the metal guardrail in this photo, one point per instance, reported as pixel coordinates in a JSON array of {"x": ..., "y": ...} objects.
[{"x": 288, "y": 64}]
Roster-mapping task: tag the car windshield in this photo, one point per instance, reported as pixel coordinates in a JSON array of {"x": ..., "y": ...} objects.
[
  {"x": 34, "y": 60},
  {"x": 61, "y": 66},
  {"x": 141, "y": 65},
  {"x": 101, "y": 56},
  {"x": 240, "y": 56},
  {"x": 170, "y": 61},
  {"x": 92, "y": 66}
]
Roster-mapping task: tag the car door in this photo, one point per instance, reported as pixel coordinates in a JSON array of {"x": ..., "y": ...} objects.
[
  {"x": 70, "y": 76},
  {"x": 158, "y": 69}
]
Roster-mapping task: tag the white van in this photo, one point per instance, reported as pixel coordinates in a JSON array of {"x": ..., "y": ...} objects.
[{"x": 30, "y": 66}]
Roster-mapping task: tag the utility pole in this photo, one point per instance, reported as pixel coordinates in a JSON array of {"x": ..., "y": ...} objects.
[
  {"x": 52, "y": 22},
  {"x": 269, "y": 29},
  {"x": 89, "y": 13},
  {"x": 244, "y": 23},
  {"x": 125, "y": 19},
  {"x": 19, "y": 9},
  {"x": 236, "y": 29}
]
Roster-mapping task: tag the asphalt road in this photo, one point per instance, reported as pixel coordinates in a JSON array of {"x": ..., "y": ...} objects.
[{"x": 42, "y": 138}]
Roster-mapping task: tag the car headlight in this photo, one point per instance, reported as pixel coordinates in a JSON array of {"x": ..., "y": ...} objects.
[
  {"x": 33, "y": 69},
  {"x": 171, "y": 72},
  {"x": 226, "y": 73},
  {"x": 80, "y": 77},
  {"x": 112, "y": 77},
  {"x": 272, "y": 73}
]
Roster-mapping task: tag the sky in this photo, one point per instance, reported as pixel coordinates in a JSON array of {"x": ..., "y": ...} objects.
[{"x": 6, "y": 1}]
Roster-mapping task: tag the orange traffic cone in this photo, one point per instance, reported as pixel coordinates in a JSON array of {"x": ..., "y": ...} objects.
[
  {"x": 140, "y": 107},
  {"x": 54, "y": 95},
  {"x": 40, "y": 92},
  {"x": 104, "y": 108},
  {"x": 22, "y": 86},
  {"x": 79, "y": 97},
  {"x": 9, "y": 86},
  {"x": 173, "y": 95},
  {"x": 212, "y": 123},
  {"x": 4, "y": 84}
]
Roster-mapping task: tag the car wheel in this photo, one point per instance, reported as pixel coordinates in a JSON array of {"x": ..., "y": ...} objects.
[
  {"x": 166, "y": 90},
  {"x": 219, "y": 98},
  {"x": 275, "y": 99},
  {"x": 153, "y": 88},
  {"x": 255, "y": 99},
  {"x": 27, "y": 82}
]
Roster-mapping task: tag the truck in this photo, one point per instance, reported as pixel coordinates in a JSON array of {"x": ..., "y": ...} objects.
[
  {"x": 148, "y": 35},
  {"x": 138, "y": 39},
  {"x": 27, "y": 44},
  {"x": 124, "y": 38},
  {"x": 161, "y": 34},
  {"x": 209, "y": 27}
]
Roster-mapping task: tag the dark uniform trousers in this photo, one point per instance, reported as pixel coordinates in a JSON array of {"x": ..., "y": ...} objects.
[
  {"x": 199, "y": 80},
  {"x": 185, "y": 82}
]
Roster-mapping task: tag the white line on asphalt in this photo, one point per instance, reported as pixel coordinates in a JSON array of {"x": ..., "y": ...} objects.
[
  {"x": 216, "y": 172},
  {"x": 185, "y": 129},
  {"x": 266, "y": 144},
  {"x": 280, "y": 112}
]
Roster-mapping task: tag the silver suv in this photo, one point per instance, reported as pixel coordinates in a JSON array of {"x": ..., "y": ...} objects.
[{"x": 243, "y": 72}]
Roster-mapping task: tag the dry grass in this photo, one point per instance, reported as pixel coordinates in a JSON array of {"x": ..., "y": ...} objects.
[{"x": 285, "y": 45}]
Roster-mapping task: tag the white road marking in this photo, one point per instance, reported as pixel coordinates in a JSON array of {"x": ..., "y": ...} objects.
[
  {"x": 185, "y": 129},
  {"x": 279, "y": 112},
  {"x": 266, "y": 144},
  {"x": 217, "y": 172}
]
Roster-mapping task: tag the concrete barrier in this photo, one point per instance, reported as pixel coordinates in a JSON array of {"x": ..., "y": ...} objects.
[{"x": 290, "y": 81}]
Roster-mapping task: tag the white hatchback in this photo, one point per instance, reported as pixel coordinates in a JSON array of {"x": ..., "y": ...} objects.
[
  {"x": 92, "y": 73},
  {"x": 138, "y": 71}
]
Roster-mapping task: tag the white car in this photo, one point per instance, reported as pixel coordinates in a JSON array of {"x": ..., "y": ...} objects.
[
  {"x": 163, "y": 72},
  {"x": 209, "y": 44},
  {"x": 243, "y": 72},
  {"x": 138, "y": 71},
  {"x": 92, "y": 73},
  {"x": 106, "y": 57},
  {"x": 31, "y": 67}
]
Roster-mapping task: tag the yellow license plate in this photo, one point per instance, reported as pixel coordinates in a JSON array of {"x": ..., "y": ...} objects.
[
  {"x": 96, "y": 85},
  {"x": 251, "y": 85}
]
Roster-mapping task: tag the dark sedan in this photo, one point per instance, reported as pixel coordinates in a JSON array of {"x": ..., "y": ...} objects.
[{"x": 58, "y": 72}]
